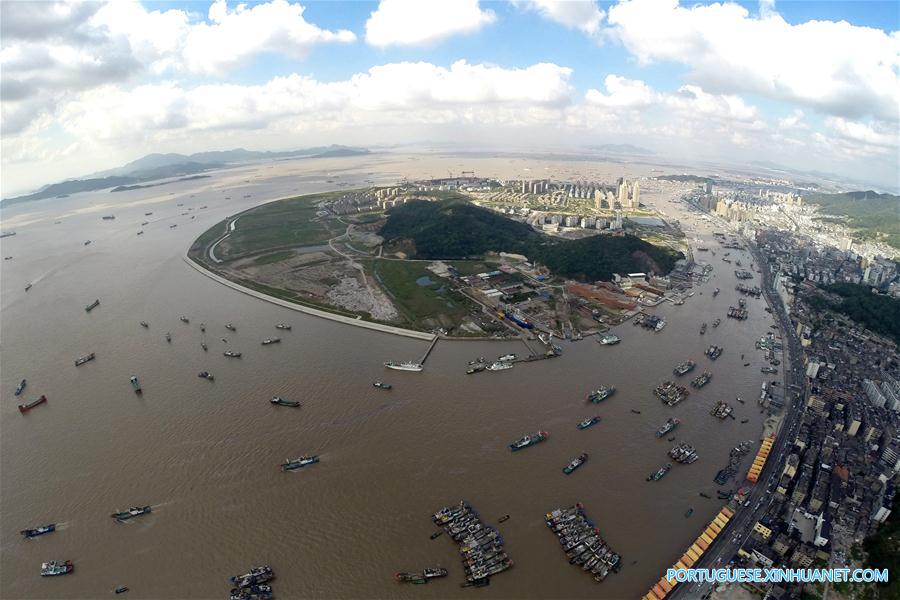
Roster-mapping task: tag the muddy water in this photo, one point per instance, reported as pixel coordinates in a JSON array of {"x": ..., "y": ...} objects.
[{"x": 206, "y": 455}]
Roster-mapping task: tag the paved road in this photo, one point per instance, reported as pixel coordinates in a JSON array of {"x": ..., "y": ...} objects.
[{"x": 738, "y": 529}]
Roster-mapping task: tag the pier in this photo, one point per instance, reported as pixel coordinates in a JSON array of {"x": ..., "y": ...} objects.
[{"x": 430, "y": 348}]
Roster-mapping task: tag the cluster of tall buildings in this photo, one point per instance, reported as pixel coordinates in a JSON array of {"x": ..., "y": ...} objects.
[{"x": 621, "y": 196}]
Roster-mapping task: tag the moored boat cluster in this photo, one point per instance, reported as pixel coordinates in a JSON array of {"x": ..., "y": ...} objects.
[
  {"x": 581, "y": 541},
  {"x": 253, "y": 584},
  {"x": 683, "y": 453},
  {"x": 670, "y": 393},
  {"x": 480, "y": 545},
  {"x": 722, "y": 410}
]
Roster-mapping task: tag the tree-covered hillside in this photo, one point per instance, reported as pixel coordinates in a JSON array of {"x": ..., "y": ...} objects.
[
  {"x": 869, "y": 212},
  {"x": 599, "y": 256}
]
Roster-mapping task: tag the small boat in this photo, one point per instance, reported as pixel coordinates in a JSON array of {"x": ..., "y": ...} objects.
[
  {"x": 601, "y": 394},
  {"x": 382, "y": 385},
  {"x": 503, "y": 519},
  {"x": 529, "y": 440},
  {"x": 705, "y": 495},
  {"x": 703, "y": 329},
  {"x": 436, "y": 535},
  {"x": 404, "y": 366},
  {"x": 282, "y": 402},
  {"x": 283, "y": 326},
  {"x": 204, "y": 346},
  {"x": 671, "y": 439},
  {"x": 743, "y": 421},
  {"x": 168, "y": 337},
  {"x": 144, "y": 324},
  {"x": 135, "y": 384},
  {"x": 717, "y": 322},
  {"x": 499, "y": 366},
  {"x": 134, "y": 511},
  {"x": 231, "y": 354},
  {"x": 746, "y": 364},
  {"x": 42, "y": 530},
  {"x": 292, "y": 464},
  {"x": 56, "y": 567},
  {"x": 121, "y": 589},
  {"x": 609, "y": 339},
  {"x": 23, "y": 408},
  {"x": 230, "y": 327},
  {"x": 268, "y": 341},
  {"x": 184, "y": 319},
  {"x": 205, "y": 375},
  {"x": 173, "y": 226},
  {"x": 144, "y": 223},
  {"x": 83, "y": 359},
  {"x": 202, "y": 327},
  {"x": 589, "y": 422},
  {"x": 20, "y": 387},
  {"x": 92, "y": 305},
  {"x": 406, "y": 577},
  {"x": 637, "y": 412},
  {"x": 87, "y": 243},
  {"x": 660, "y": 473},
  {"x": 507, "y": 357},
  {"x": 27, "y": 287},
  {"x": 577, "y": 462},
  {"x": 432, "y": 573},
  {"x": 689, "y": 512},
  {"x": 147, "y": 214}
]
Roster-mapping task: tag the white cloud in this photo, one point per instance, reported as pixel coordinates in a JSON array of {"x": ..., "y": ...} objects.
[
  {"x": 622, "y": 93},
  {"x": 795, "y": 120},
  {"x": 583, "y": 15},
  {"x": 834, "y": 67},
  {"x": 424, "y": 22},
  {"x": 882, "y": 135}
]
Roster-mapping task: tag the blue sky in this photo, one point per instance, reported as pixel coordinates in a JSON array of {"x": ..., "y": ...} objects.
[{"x": 806, "y": 84}]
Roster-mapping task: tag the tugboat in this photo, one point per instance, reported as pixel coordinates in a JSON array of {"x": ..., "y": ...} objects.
[
  {"x": 507, "y": 357},
  {"x": 230, "y": 327},
  {"x": 92, "y": 305},
  {"x": 184, "y": 319},
  {"x": 404, "y": 366},
  {"x": 609, "y": 339},
  {"x": 703, "y": 329},
  {"x": 283, "y": 326},
  {"x": 144, "y": 324},
  {"x": 282, "y": 402},
  {"x": 683, "y": 368},
  {"x": 231, "y": 354},
  {"x": 382, "y": 385},
  {"x": 268, "y": 341},
  {"x": 56, "y": 567},
  {"x": 660, "y": 473},
  {"x": 577, "y": 462},
  {"x": 500, "y": 366},
  {"x": 134, "y": 511},
  {"x": 601, "y": 394},
  {"x": 669, "y": 425},
  {"x": 205, "y": 375},
  {"x": 23, "y": 408},
  {"x": 292, "y": 464},
  {"x": 590, "y": 422},
  {"x": 42, "y": 530},
  {"x": 529, "y": 440},
  {"x": 20, "y": 387},
  {"x": 83, "y": 359},
  {"x": 135, "y": 384}
]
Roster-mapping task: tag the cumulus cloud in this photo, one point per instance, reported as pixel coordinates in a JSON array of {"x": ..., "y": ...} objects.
[
  {"x": 583, "y": 15},
  {"x": 833, "y": 67},
  {"x": 420, "y": 22},
  {"x": 878, "y": 134},
  {"x": 622, "y": 93}
]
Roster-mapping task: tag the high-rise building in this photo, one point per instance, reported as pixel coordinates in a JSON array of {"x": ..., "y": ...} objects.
[
  {"x": 623, "y": 193},
  {"x": 524, "y": 186},
  {"x": 709, "y": 186},
  {"x": 598, "y": 199},
  {"x": 635, "y": 195}
]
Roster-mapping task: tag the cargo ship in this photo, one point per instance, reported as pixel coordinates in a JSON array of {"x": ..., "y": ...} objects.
[
  {"x": 134, "y": 511},
  {"x": 590, "y": 422},
  {"x": 518, "y": 319},
  {"x": 83, "y": 359},
  {"x": 292, "y": 464},
  {"x": 576, "y": 462},
  {"x": 529, "y": 440},
  {"x": 683, "y": 368},
  {"x": 500, "y": 366},
  {"x": 668, "y": 426},
  {"x": 282, "y": 402},
  {"x": 601, "y": 394},
  {"x": 42, "y": 530},
  {"x": 56, "y": 567},
  {"x": 714, "y": 352},
  {"x": 135, "y": 384},
  {"x": 404, "y": 366},
  {"x": 92, "y": 305},
  {"x": 660, "y": 473},
  {"x": 701, "y": 380},
  {"x": 20, "y": 387},
  {"x": 609, "y": 339}
]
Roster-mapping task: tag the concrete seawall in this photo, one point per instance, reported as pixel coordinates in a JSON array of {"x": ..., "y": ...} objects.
[{"x": 419, "y": 335}]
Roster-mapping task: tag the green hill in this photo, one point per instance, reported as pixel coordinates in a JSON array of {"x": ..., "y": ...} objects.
[
  {"x": 869, "y": 212},
  {"x": 455, "y": 230}
]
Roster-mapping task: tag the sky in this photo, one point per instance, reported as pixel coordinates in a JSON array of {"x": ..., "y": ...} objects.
[{"x": 87, "y": 86}]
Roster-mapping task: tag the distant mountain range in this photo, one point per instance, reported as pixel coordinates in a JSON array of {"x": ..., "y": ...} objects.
[
  {"x": 163, "y": 166},
  {"x": 621, "y": 149}
]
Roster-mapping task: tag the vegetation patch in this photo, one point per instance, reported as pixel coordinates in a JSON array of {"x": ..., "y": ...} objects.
[{"x": 877, "y": 312}]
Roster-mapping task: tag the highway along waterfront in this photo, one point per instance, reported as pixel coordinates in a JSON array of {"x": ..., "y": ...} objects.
[{"x": 205, "y": 455}]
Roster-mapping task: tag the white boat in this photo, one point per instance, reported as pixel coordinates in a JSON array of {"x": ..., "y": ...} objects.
[
  {"x": 660, "y": 325},
  {"x": 609, "y": 339},
  {"x": 404, "y": 366},
  {"x": 507, "y": 358},
  {"x": 500, "y": 366}
]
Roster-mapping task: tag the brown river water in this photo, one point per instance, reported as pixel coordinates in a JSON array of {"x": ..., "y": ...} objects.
[{"x": 205, "y": 454}]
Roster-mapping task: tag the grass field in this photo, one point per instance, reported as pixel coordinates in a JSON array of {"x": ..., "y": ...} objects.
[
  {"x": 423, "y": 306},
  {"x": 272, "y": 257}
]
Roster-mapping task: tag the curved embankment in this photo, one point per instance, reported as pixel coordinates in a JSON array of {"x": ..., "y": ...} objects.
[{"x": 358, "y": 322}]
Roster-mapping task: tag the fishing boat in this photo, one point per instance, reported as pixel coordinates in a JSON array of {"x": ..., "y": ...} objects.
[
  {"x": 499, "y": 366},
  {"x": 231, "y": 354},
  {"x": 205, "y": 375},
  {"x": 507, "y": 357},
  {"x": 56, "y": 567},
  {"x": 637, "y": 412},
  {"x": 92, "y": 305},
  {"x": 660, "y": 473},
  {"x": 230, "y": 327},
  {"x": 135, "y": 384},
  {"x": 134, "y": 511},
  {"x": 20, "y": 387},
  {"x": 405, "y": 577},
  {"x": 168, "y": 337},
  {"x": 283, "y": 326},
  {"x": 42, "y": 530},
  {"x": 27, "y": 287},
  {"x": 268, "y": 341},
  {"x": 717, "y": 322},
  {"x": 23, "y": 408},
  {"x": 529, "y": 440},
  {"x": 716, "y": 292},
  {"x": 83, "y": 359},
  {"x": 292, "y": 464},
  {"x": 121, "y": 589},
  {"x": 282, "y": 402},
  {"x": 87, "y": 242},
  {"x": 600, "y": 394},
  {"x": 184, "y": 319},
  {"x": 144, "y": 324},
  {"x": 702, "y": 328},
  {"x": 405, "y": 366},
  {"x": 202, "y": 327},
  {"x": 577, "y": 462},
  {"x": 204, "y": 346},
  {"x": 503, "y": 519},
  {"x": 609, "y": 339},
  {"x": 432, "y": 573},
  {"x": 705, "y": 495},
  {"x": 668, "y": 426},
  {"x": 382, "y": 385},
  {"x": 436, "y": 535},
  {"x": 589, "y": 422}
]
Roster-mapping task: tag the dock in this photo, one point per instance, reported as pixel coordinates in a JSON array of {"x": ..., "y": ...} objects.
[{"x": 430, "y": 348}]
